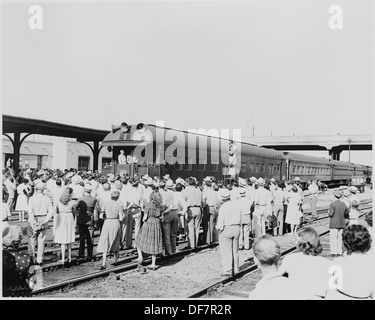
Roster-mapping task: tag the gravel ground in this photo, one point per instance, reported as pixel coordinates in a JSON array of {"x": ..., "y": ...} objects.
[{"x": 176, "y": 280}]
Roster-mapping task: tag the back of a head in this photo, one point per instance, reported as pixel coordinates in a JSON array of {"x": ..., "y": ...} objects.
[
  {"x": 356, "y": 239},
  {"x": 309, "y": 242},
  {"x": 58, "y": 182},
  {"x": 191, "y": 181},
  {"x": 267, "y": 250},
  {"x": 106, "y": 186},
  {"x": 179, "y": 187},
  {"x": 115, "y": 195}
]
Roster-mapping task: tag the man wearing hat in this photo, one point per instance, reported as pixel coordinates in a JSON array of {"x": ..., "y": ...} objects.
[
  {"x": 85, "y": 220},
  {"x": 313, "y": 194},
  {"x": 338, "y": 212},
  {"x": 76, "y": 186},
  {"x": 40, "y": 212},
  {"x": 262, "y": 200},
  {"x": 170, "y": 219},
  {"x": 133, "y": 215},
  {"x": 193, "y": 197},
  {"x": 228, "y": 222},
  {"x": 245, "y": 227},
  {"x": 235, "y": 192},
  {"x": 102, "y": 198},
  {"x": 210, "y": 207},
  {"x": 353, "y": 197}
]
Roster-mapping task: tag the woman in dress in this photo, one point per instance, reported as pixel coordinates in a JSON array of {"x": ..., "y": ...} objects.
[
  {"x": 294, "y": 213},
  {"x": 149, "y": 238},
  {"x": 110, "y": 236},
  {"x": 23, "y": 191},
  {"x": 306, "y": 267},
  {"x": 64, "y": 223}
]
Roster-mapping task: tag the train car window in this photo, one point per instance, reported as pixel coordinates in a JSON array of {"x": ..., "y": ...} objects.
[
  {"x": 243, "y": 167},
  {"x": 252, "y": 167},
  {"x": 257, "y": 167},
  {"x": 201, "y": 167}
]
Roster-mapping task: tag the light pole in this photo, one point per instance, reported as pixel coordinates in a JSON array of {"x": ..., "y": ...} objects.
[{"x": 349, "y": 141}]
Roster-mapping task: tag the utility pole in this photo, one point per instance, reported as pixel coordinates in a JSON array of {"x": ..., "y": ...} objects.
[{"x": 253, "y": 130}]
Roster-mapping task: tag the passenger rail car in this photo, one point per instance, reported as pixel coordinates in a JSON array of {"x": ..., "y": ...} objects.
[{"x": 197, "y": 152}]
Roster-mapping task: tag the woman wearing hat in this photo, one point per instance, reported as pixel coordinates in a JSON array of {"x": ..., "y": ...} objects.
[
  {"x": 64, "y": 224},
  {"x": 110, "y": 236},
  {"x": 15, "y": 265},
  {"x": 149, "y": 238}
]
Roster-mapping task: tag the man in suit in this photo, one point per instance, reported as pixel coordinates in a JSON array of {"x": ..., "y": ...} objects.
[
  {"x": 85, "y": 219},
  {"x": 338, "y": 212}
]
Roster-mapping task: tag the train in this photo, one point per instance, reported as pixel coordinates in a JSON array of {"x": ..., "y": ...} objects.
[{"x": 180, "y": 153}]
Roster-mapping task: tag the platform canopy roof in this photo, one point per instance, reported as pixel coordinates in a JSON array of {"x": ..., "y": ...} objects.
[{"x": 12, "y": 124}]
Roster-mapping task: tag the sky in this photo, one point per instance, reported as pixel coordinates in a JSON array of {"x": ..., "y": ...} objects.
[{"x": 275, "y": 66}]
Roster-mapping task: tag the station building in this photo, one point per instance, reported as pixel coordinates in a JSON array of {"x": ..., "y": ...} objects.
[{"x": 55, "y": 152}]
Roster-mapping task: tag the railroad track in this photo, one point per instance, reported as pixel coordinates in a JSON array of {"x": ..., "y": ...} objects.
[
  {"x": 127, "y": 264},
  {"x": 121, "y": 267},
  {"x": 253, "y": 268}
]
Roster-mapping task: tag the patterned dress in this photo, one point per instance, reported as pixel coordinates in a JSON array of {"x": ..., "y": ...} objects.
[
  {"x": 16, "y": 274},
  {"x": 149, "y": 238}
]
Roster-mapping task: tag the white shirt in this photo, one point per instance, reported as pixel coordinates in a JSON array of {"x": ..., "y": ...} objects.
[
  {"x": 121, "y": 159},
  {"x": 245, "y": 205},
  {"x": 229, "y": 214},
  {"x": 274, "y": 286},
  {"x": 311, "y": 272},
  {"x": 262, "y": 196}
]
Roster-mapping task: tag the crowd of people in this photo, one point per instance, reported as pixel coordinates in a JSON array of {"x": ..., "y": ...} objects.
[{"x": 152, "y": 213}]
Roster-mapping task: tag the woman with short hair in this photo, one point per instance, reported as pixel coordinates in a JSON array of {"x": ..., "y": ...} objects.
[
  {"x": 307, "y": 267},
  {"x": 110, "y": 236},
  {"x": 64, "y": 224},
  {"x": 355, "y": 270}
]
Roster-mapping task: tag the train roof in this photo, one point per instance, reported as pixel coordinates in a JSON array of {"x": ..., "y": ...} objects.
[
  {"x": 307, "y": 158},
  {"x": 132, "y": 138}
]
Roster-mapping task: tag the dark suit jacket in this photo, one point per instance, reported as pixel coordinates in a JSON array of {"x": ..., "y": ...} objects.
[
  {"x": 338, "y": 212},
  {"x": 85, "y": 210}
]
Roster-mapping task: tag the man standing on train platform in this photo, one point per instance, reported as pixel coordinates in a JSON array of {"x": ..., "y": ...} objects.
[
  {"x": 313, "y": 194},
  {"x": 353, "y": 197},
  {"x": 245, "y": 227},
  {"x": 297, "y": 183},
  {"x": 278, "y": 200},
  {"x": 228, "y": 222},
  {"x": 40, "y": 212},
  {"x": 170, "y": 218},
  {"x": 193, "y": 197},
  {"x": 104, "y": 196},
  {"x": 235, "y": 192},
  {"x": 338, "y": 212},
  {"x": 134, "y": 212},
  {"x": 85, "y": 220},
  {"x": 262, "y": 199},
  {"x": 210, "y": 207}
]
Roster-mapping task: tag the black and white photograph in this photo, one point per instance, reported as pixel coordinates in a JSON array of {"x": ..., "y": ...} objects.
[{"x": 188, "y": 156}]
